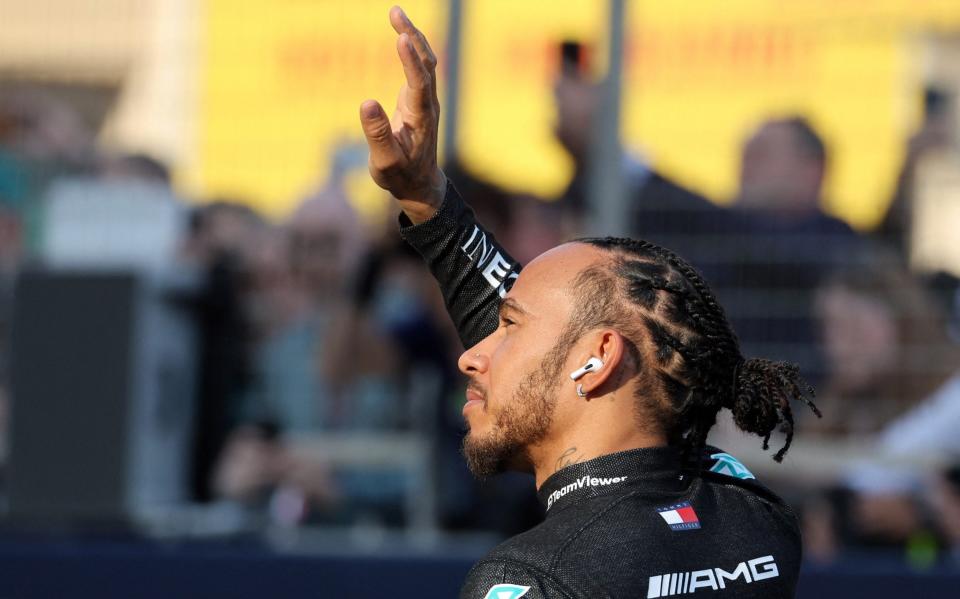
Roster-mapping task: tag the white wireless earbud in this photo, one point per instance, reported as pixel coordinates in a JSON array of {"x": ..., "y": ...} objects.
[{"x": 591, "y": 365}]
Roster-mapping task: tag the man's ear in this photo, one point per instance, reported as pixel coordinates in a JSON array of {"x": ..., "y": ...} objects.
[{"x": 610, "y": 347}]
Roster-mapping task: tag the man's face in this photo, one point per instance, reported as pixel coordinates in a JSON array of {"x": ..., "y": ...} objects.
[{"x": 516, "y": 373}]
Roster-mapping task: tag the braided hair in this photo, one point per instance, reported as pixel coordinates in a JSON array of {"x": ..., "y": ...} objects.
[{"x": 688, "y": 355}]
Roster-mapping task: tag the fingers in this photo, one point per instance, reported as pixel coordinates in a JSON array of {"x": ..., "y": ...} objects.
[
  {"x": 402, "y": 24},
  {"x": 419, "y": 81},
  {"x": 384, "y": 148}
]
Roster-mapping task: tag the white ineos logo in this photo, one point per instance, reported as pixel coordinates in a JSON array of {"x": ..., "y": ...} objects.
[{"x": 495, "y": 268}]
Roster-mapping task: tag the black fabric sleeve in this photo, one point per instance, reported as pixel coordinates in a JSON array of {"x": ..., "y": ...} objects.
[
  {"x": 507, "y": 579},
  {"x": 473, "y": 270}
]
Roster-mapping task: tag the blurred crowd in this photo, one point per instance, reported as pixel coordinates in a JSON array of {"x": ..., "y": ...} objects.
[{"x": 326, "y": 325}]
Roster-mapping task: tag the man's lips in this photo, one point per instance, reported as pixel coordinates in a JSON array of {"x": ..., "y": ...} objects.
[{"x": 474, "y": 398}]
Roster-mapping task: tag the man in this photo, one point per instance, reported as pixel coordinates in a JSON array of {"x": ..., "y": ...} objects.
[{"x": 601, "y": 372}]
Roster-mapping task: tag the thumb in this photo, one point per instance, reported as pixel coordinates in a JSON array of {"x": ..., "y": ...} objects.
[{"x": 379, "y": 134}]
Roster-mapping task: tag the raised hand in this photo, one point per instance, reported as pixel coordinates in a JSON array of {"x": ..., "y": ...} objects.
[{"x": 403, "y": 150}]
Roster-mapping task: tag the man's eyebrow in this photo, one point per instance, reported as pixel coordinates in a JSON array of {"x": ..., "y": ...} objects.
[{"x": 511, "y": 305}]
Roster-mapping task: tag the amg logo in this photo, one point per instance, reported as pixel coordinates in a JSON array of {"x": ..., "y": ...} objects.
[
  {"x": 681, "y": 583},
  {"x": 495, "y": 268},
  {"x": 586, "y": 481}
]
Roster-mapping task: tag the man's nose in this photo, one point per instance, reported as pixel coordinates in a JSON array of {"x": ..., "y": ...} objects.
[{"x": 473, "y": 361}]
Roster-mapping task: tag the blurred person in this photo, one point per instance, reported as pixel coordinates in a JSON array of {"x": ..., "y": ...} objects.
[
  {"x": 537, "y": 226},
  {"x": 135, "y": 167},
  {"x": 42, "y": 139},
  {"x": 601, "y": 372},
  {"x": 946, "y": 505},
  {"x": 260, "y": 472},
  {"x": 887, "y": 350},
  {"x": 42, "y": 128},
  {"x": 531, "y": 225},
  {"x": 491, "y": 202},
  {"x": 327, "y": 241},
  {"x": 935, "y": 133},
  {"x": 818, "y": 520},
  {"x": 222, "y": 228},
  {"x": 661, "y": 210},
  {"x": 887, "y": 487},
  {"x": 324, "y": 361},
  {"x": 918, "y": 222},
  {"x": 886, "y": 343},
  {"x": 782, "y": 171},
  {"x": 785, "y": 244},
  {"x": 218, "y": 243},
  {"x": 250, "y": 465},
  {"x": 11, "y": 255},
  {"x": 283, "y": 389}
]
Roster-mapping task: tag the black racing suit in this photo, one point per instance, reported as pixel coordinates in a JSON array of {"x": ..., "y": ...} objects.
[{"x": 632, "y": 524}]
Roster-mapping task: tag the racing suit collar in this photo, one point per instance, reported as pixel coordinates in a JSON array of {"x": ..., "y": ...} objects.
[{"x": 609, "y": 473}]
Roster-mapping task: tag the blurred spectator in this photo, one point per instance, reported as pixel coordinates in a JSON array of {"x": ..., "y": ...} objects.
[
  {"x": 946, "y": 506},
  {"x": 42, "y": 128},
  {"x": 662, "y": 211},
  {"x": 323, "y": 362},
  {"x": 302, "y": 277},
  {"x": 527, "y": 225},
  {"x": 930, "y": 429},
  {"x": 921, "y": 218},
  {"x": 41, "y": 139},
  {"x": 888, "y": 485},
  {"x": 221, "y": 229},
  {"x": 537, "y": 226},
  {"x": 220, "y": 243},
  {"x": 784, "y": 244},
  {"x": 136, "y": 167},
  {"x": 781, "y": 174},
  {"x": 935, "y": 133},
  {"x": 327, "y": 242},
  {"x": 886, "y": 344},
  {"x": 490, "y": 203}
]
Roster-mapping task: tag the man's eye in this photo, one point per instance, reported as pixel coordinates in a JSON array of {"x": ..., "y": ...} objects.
[{"x": 506, "y": 321}]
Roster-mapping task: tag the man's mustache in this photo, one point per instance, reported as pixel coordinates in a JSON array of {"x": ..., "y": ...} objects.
[{"x": 473, "y": 385}]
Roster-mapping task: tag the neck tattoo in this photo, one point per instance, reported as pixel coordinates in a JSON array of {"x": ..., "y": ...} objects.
[{"x": 568, "y": 458}]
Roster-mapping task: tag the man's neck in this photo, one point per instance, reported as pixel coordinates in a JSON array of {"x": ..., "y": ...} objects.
[{"x": 552, "y": 457}]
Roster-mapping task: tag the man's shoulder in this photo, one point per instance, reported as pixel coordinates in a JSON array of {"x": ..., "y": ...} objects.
[
  {"x": 518, "y": 567},
  {"x": 538, "y": 555},
  {"x": 620, "y": 546},
  {"x": 536, "y": 546}
]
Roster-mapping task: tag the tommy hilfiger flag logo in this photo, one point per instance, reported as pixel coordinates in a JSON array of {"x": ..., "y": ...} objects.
[{"x": 680, "y": 516}]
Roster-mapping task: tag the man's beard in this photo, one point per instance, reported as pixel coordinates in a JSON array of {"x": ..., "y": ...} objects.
[{"x": 521, "y": 423}]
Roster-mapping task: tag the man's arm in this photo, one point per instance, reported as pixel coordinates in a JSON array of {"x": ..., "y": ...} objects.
[
  {"x": 506, "y": 579},
  {"x": 474, "y": 272}
]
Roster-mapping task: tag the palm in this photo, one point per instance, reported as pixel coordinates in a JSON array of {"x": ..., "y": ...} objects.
[
  {"x": 404, "y": 123},
  {"x": 403, "y": 150}
]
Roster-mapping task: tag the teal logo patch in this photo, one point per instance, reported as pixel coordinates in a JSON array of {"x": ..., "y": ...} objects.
[
  {"x": 731, "y": 466},
  {"x": 506, "y": 591}
]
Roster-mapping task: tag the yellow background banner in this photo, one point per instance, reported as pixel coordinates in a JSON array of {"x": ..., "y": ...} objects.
[
  {"x": 282, "y": 82},
  {"x": 282, "y": 86}
]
